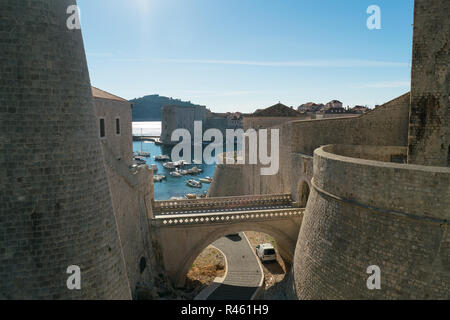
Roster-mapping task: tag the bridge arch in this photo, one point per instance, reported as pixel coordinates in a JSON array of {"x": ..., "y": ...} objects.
[
  {"x": 286, "y": 245},
  {"x": 184, "y": 228}
]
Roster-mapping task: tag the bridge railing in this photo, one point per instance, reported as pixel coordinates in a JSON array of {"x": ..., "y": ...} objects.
[
  {"x": 222, "y": 202},
  {"x": 227, "y": 217}
]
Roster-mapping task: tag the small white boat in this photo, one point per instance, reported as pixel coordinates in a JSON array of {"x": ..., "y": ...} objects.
[
  {"x": 158, "y": 178},
  {"x": 162, "y": 157},
  {"x": 197, "y": 162},
  {"x": 194, "y": 170},
  {"x": 194, "y": 184},
  {"x": 206, "y": 180},
  {"x": 180, "y": 163},
  {"x": 176, "y": 174},
  {"x": 169, "y": 165},
  {"x": 143, "y": 154}
]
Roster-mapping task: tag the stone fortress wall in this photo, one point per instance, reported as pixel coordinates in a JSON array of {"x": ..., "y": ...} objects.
[
  {"x": 429, "y": 132},
  {"x": 394, "y": 216},
  {"x": 132, "y": 195},
  {"x": 386, "y": 125},
  {"x": 363, "y": 208},
  {"x": 131, "y": 189},
  {"x": 56, "y": 208},
  {"x": 177, "y": 117},
  {"x": 387, "y": 214}
]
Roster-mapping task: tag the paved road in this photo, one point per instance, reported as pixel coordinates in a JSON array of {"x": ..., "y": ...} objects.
[{"x": 243, "y": 274}]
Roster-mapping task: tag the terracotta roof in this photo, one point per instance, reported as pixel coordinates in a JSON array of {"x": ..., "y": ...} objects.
[
  {"x": 278, "y": 110},
  {"x": 97, "y": 93}
]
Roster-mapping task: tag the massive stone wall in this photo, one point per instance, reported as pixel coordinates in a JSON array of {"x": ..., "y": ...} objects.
[
  {"x": 386, "y": 125},
  {"x": 429, "y": 131},
  {"x": 177, "y": 117},
  {"x": 266, "y": 122},
  {"x": 132, "y": 195},
  {"x": 56, "y": 209},
  {"x": 394, "y": 216}
]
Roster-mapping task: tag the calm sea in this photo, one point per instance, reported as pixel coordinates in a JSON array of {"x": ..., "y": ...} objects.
[{"x": 173, "y": 186}]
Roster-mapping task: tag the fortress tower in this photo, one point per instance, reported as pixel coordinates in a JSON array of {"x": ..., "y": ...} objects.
[
  {"x": 369, "y": 211},
  {"x": 429, "y": 130},
  {"x": 55, "y": 204}
]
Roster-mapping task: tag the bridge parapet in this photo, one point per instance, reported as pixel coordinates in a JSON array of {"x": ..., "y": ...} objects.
[
  {"x": 227, "y": 217},
  {"x": 222, "y": 202}
]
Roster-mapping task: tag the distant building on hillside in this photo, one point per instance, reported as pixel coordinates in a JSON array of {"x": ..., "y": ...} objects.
[
  {"x": 272, "y": 116},
  {"x": 310, "y": 107},
  {"x": 361, "y": 109},
  {"x": 334, "y": 104}
]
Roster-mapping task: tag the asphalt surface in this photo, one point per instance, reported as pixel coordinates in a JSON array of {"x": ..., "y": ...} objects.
[{"x": 243, "y": 272}]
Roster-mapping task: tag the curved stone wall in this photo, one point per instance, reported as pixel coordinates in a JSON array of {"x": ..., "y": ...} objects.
[
  {"x": 362, "y": 213},
  {"x": 56, "y": 208},
  {"x": 386, "y": 125}
]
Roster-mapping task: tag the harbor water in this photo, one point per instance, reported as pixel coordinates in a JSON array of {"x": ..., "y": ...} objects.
[{"x": 172, "y": 186}]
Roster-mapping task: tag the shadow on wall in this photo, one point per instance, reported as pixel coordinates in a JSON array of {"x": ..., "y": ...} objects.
[{"x": 303, "y": 194}]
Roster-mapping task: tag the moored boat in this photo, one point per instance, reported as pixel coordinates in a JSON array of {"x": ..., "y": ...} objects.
[
  {"x": 162, "y": 157},
  {"x": 159, "y": 178},
  {"x": 143, "y": 154},
  {"x": 169, "y": 165},
  {"x": 206, "y": 180},
  {"x": 194, "y": 170},
  {"x": 194, "y": 184}
]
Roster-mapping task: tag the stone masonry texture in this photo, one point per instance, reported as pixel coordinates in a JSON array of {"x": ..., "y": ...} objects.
[
  {"x": 429, "y": 131},
  {"x": 56, "y": 208}
]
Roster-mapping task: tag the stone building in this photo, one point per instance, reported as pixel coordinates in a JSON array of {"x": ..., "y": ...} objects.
[
  {"x": 364, "y": 205},
  {"x": 114, "y": 119},
  {"x": 131, "y": 188},
  {"x": 177, "y": 117}
]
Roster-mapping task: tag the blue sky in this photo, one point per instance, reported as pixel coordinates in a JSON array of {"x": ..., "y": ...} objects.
[{"x": 241, "y": 55}]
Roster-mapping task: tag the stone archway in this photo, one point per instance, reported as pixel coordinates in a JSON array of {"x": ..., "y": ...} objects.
[
  {"x": 286, "y": 246},
  {"x": 303, "y": 194}
]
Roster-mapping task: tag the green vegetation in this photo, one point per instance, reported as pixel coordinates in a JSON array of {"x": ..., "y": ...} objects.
[{"x": 148, "y": 108}]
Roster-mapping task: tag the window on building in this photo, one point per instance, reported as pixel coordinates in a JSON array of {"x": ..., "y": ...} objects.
[
  {"x": 117, "y": 126},
  {"x": 102, "y": 128}
]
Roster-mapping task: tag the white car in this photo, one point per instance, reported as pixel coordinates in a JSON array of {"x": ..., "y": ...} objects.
[{"x": 266, "y": 252}]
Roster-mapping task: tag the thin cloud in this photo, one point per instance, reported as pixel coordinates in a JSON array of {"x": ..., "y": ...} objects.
[
  {"x": 344, "y": 63},
  {"x": 393, "y": 84},
  {"x": 205, "y": 94},
  {"x": 349, "y": 63}
]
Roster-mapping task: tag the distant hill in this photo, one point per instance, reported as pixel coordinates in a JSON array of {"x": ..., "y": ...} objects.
[{"x": 148, "y": 108}]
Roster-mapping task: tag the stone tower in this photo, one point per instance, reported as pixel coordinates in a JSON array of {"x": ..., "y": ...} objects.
[
  {"x": 429, "y": 131},
  {"x": 55, "y": 205}
]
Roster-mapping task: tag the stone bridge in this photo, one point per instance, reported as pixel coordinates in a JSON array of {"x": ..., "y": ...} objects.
[{"x": 184, "y": 228}]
